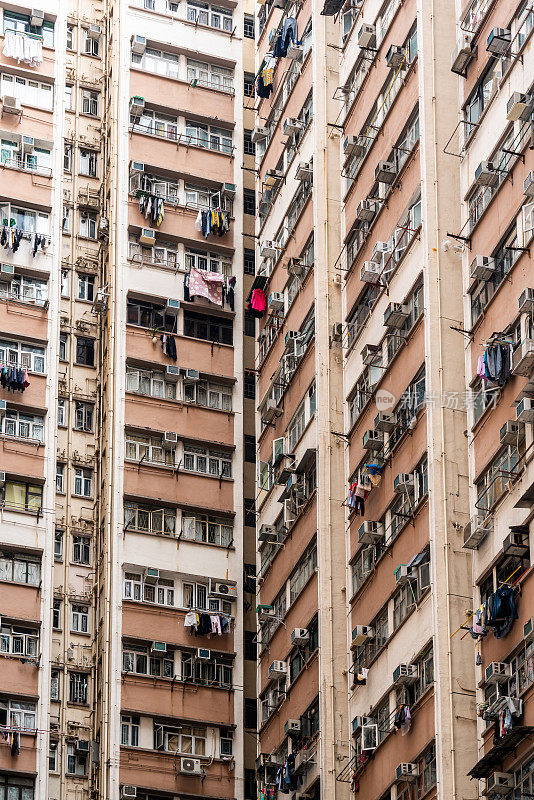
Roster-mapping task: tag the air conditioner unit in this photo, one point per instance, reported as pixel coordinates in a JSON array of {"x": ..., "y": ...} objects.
[
  {"x": 191, "y": 766},
  {"x": 359, "y": 721},
  {"x": 276, "y": 301},
  {"x": 371, "y": 354},
  {"x": 28, "y": 142},
  {"x": 292, "y": 727},
  {"x": 372, "y": 440},
  {"x": 229, "y": 190},
  {"x": 37, "y": 18},
  {"x": 278, "y": 669},
  {"x": 511, "y": 433},
  {"x": 519, "y": 107},
  {"x": 158, "y": 647},
  {"x": 147, "y": 236},
  {"x": 528, "y": 185},
  {"x": 526, "y": 301},
  {"x": 385, "y": 172},
  {"x": 137, "y": 105},
  {"x": 128, "y": 791},
  {"x": 516, "y": 543},
  {"x": 497, "y": 672},
  {"x": 370, "y": 532},
  {"x": 396, "y": 315},
  {"x": 486, "y": 174},
  {"x": 500, "y": 784},
  {"x": 273, "y": 176},
  {"x": 292, "y": 125},
  {"x": 11, "y": 105},
  {"x": 407, "y": 771},
  {"x": 355, "y": 145},
  {"x": 170, "y": 439},
  {"x": 482, "y": 268},
  {"x": 151, "y": 575},
  {"x": 296, "y": 267},
  {"x": 361, "y": 634},
  {"x": 462, "y": 55},
  {"x": 403, "y": 573},
  {"x": 366, "y": 211},
  {"x": 295, "y": 51},
  {"x": 203, "y": 654},
  {"x": 370, "y": 272},
  {"x": 405, "y": 675},
  {"x": 337, "y": 331},
  {"x": 138, "y": 44},
  {"x": 94, "y": 32},
  {"x": 528, "y": 630},
  {"x": 523, "y": 358},
  {"x": 7, "y": 269},
  {"x": 172, "y": 373},
  {"x": 524, "y": 411},
  {"x": 220, "y": 589},
  {"x": 172, "y": 307},
  {"x": 271, "y": 411},
  {"x": 304, "y": 171},
  {"x": 268, "y": 249},
  {"x": 259, "y": 133},
  {"x": 192, "y": 375},
  {"x": 499, "y": 41},
  {"x": 367, "y": 36},
  {"x": 300, "y": 636},
  {"x": 265, "y": 613},
  {"x": 404, "y": 482},
  {"x": 475, "y": 531},
  {"x": 395, "y": 56},
  {"x": 83, "y": 745},
  {"x": 268, "y": 534},
  {"x": 385, "y": 422}
]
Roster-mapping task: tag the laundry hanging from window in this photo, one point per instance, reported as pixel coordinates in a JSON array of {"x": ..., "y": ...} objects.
[
  {"x": 168, "y": 346},
  {"x": 14, "y": 379},
  {"x": 23, "y": 48},
  {"x": 215, "y": 222},
  {"x": 153, "y": 208},
  {"x": 11, "y": 237},
  {"x": 496, "y": 364}
]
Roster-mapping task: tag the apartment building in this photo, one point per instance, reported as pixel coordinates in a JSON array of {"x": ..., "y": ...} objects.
[
  {"x": 122, "y": 401},
  {"x": 494, "y": 61}
]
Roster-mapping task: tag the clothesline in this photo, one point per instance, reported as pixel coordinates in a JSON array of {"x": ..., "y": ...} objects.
[
  {"x": 277, "y": 31},
  {"x": 501, "y": 583}
]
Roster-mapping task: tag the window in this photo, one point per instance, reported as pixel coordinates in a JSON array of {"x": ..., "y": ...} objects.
[
  {"x": 23, "y": 426},
  {"x": 150, "y": 520},
  {"x": 211, "y": 262},
  {"x": 427, "y": 770},
  {"x": 68, "y": 103},
  {"x": 88, "y": 225},
  {"x": 27, "y": 91},
  {"x": 22, "y": 496},
  {"x": 208, "y": 530},
  {"x": 205, "y": 14},
  {"x": 150, "y": 383},
  {"x": 15, "y": 787},
  {"x": 15, "y": 714},
  {"x": 249, "y": 260},
  {"x": 249, "y": 84},
  {"x": 85, "y": 351},
  {"x": 161, "y": 593},
  {"x": 211, "y": 462},
  {"x": 211, "y": 329},
  {"x": 213, "y": 672},
  {"x": 21, "y": 23},
  {"x": 250, "y": 325},
  {"x": 91, "y": 46},
  {"x": 60, "y": 478},
  {"x": 365, "y": 653},
  {"x": 58, "y": 545},
  {"x": 83, "y": 416},
  {"x": 249, "y": 201},
  {"x": 56, "y": 615},
  {"x": 90, "y": 102},
  {"x": 149, "y": 449},
  {"x": 130, "y": 730},
  {"x": 76, "y": 761},
  {"x": 153, "y": 123},
  {"x": 250, "y": 449},
  {"x": 205, "y": 393},
  {"x": 86, "y": 287},
  {"x": 303, "y": 571},
  {"x": 54, "y": 684},
  {"x": 403, "y": 600},
  {"x": 209, "y": 136},
  {"x": 67, "y": 158},
  {"x": 149, "y": 315},
  {"x": 19, "y": 641},
  {"x": 493, "y": 482},
  {"x": 250, "y": 150},
  {"x": 248, "y": 26},
  {"x": 139, "y": 660},
  {"x": 61, "y": 413},
  {"x": 79, "y": 619},
  {"x": 81, "y": 549},
  {"x": 250, "y": 385},
  {"x": 83, "y": 482},
  {"x": 88, "y": 163},
  {"x": 18, "y": 354},
  {"x": 207, "y": 74},
  {"x": 78, "y": 686},
  {"x": 52, "y": 757},
  {"x": 70, "y": 37}
]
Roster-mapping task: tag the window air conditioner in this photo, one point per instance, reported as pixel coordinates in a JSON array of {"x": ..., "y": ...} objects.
[
  {"x": 371, "y": 354},
  {"x": 524, "y": 411},
  {"x": 94, "y": 32},
  {"x": 190, "y": 766},
  {"x": 372, "y": 440},
  {"x": 278, "y": 669},
  {"x": 385, "y": 422},
  {"x": 366, "y": 211},
  {"x": 128, "y": 792},
  {"x": 276, "y": 301},
  {"x": 361, "y": 634},
  {"x": 523, "y": 358},
  {"x": 11, "y": 105},
  {"x": 229, "y": 190},
  {"x": 486, "y": 174},
  {"x": 516, "y": 543},
  {"x": 7, "y": 269},
  {"x": 403, "y": 574},
  {"x": 370, "y": 272},
  {"x": 355, "y": 145},
  {"x": 367, "y": 36},
  {"x": 396, "y": 56},
  {"x": 526, "y": 301},
  {"x": 259, "y": 133},
  {"x": 203, "y": 654},
  {"x": 83, "y": 745},
  {"x": 147, "y": 236},
  {"x": 511, "y": 433},
  {"x": 359, "y": 721},
  {"x": 172, "y": 373},
  {"x": 519, "y": 107},
  {"x": 172, "y": 307},
  {"x": 296, "y": 267},
  {"x": 475, "y": 531},
  {"x": 28, "y": 142},
  {"x": 304, "y": 172},
  {"x": 192, "y": 375},
  {"x": 482, "y": 268},
  {"x": 407, "y": 772},
  {"x": 292, "y": 727},
  {"x": 396, "y": 315},
  {"x": 300, "y": 636},
  {"x": 170, "y": 439},
  {"x": 138, "y": 44},
  {"x": 268, "y": 534},
  {"x": 151, "y": 575},
  {"x": 499, "y": 784},
  {"x": 219, "y": 589},
  {"x": 292, "y": 125},
  {"x": 498, "y": 41},
  {"x": 385, "y": 172},
  {"x": 528, "y": 630},
  {"x": 37, "y": 18},
  {"x": 404, "y": 482},
  {"x": 405, "y": 675},
  {"x": 137, "y": 105},
  {"x": 295, "y": 51},
  {"x": 496, "y": 672},
  {"x": 370, "y": 532},
  {"x": 528, "y": 185},
  {"x": 268, "y": 249},
  {"x": 3, "y": 406},
  {"x": 271, "y": 411},
  {"x": 462, "y": 54}
]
